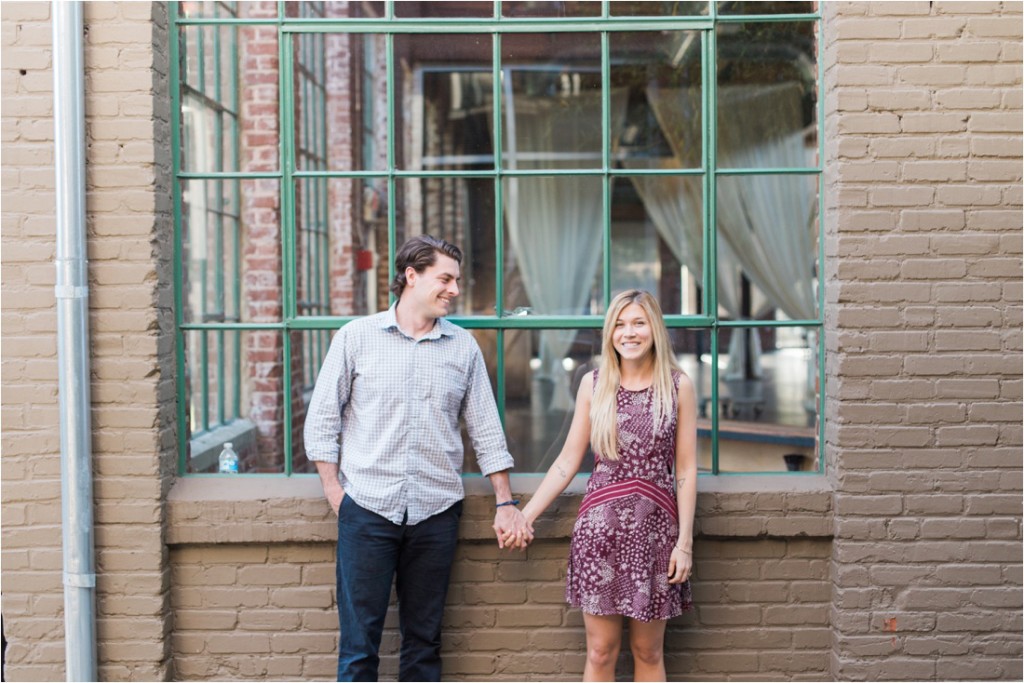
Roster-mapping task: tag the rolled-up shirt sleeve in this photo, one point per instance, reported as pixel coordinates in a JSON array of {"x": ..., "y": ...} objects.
[
  {"x": 330, "y": 395},
  {"x": 482, "y": 422}
]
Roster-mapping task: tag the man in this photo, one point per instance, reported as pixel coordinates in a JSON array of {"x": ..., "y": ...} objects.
[{"x": 394, "y": 385}]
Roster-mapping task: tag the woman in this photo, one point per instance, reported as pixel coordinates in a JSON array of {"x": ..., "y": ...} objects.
[{"x": 632, "y": 546}]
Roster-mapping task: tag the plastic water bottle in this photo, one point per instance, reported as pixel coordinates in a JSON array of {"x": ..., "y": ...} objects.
[{"x": 228, "y": 461}]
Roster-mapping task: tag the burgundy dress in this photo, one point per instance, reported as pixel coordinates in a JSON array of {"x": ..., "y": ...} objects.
[{"x": 628, "y": 521}]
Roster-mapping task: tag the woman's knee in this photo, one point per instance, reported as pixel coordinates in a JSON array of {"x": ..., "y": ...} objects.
[
  {"x": 602, "y": 653},
  {"x": 648, "y": 652}
]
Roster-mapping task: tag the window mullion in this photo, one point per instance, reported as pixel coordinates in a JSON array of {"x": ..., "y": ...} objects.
[
  {"x": 709, "y": 107},
  {"x": 286, "y": 141},
  {"x": 606, "y": 179}
]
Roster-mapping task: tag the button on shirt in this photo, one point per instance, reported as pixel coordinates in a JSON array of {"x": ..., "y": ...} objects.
[{"x": 396, "y": 401}]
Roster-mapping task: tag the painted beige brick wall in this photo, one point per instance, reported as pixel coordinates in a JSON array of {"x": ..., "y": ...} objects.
[
  {"x": 253, "y": 593},
  {"x": 923, "y": 260},
  {"x": 129, "y": 226}
]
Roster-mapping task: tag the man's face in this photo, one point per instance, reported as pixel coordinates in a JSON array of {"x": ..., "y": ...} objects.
[{"x": 433, "y": 291}]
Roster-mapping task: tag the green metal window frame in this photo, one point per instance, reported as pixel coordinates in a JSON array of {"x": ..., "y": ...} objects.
[{"x": 290, "y": 29}]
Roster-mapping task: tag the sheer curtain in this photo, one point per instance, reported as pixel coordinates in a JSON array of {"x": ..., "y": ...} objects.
[
  {"x": 765, "y": 223},
  {"x": 554, "y": 222}
]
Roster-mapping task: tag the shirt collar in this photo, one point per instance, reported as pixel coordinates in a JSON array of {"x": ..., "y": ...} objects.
[{"x": 441, "y": 326}]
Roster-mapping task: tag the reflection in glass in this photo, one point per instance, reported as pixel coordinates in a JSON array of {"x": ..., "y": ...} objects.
[
  {"x": 444, "y": 9},
  {"x": 767, "y": 95},
  {"x": 446, "y": 124},
  {"x": 209, "y": 99},
  {"x": 657, "y": 239},
  {"x": 647, "y": 8},
  {"x": 551, "y": 105},
  {"x": 661, "y": 71},
  {"x": 766, "y": 7},
  {"x": 198, "y": 9},
  {"x": 768, "y": 246},
  {"x": 768, "y": 399},
  {"x": 231, "y": 251},
  {"x": 460, "y": 210},
  {"x": 692, "y": 348},
  {"x": 235, "y": 388},
  {"x": 337, "y": 262},
  {"x": 229, "y": 73},
  {"x": 540, "y": 395},
  {"x": 339, "y": 103},
  {"x": 553, "y": 245},
  {"x": 550, "y": 10}
]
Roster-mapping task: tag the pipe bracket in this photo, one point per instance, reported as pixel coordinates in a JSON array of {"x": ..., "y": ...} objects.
[
  {"x": 80, "y": 580},
  {"x": 70, "y": 292}
]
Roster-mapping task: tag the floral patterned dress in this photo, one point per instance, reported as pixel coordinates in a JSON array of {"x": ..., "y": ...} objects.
[{"x": 628, "y": 521}]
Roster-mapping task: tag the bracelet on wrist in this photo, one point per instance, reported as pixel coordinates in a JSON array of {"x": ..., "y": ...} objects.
[
  {"x": 681, "y": 548},
  {"x": 514, "y": 501}
]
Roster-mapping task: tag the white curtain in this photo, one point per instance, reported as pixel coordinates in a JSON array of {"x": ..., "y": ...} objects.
[
  {"x": 554, "y": 222},
  {"x": 765, "y": 223}
]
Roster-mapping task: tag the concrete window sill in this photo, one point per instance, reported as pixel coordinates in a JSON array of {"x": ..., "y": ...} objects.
[{"x": 293, "y": 509}]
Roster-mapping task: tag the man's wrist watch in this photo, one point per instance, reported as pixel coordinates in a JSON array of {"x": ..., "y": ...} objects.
[{"x": 514, "y": 501}]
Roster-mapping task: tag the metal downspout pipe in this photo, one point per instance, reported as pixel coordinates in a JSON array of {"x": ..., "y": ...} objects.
[{"x": 72, "y": 294}]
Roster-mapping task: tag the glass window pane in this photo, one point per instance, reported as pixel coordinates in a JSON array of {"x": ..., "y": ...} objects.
[
  {"x": 231, "y": 251},
  {"x": 766, "y": 7},
  {"x": 644, "y": 8},
  {"x": 693, "y": 353},
  {"x": 522, "y": 9},
  {"x": 768, "y": 246},
  {"x": 661, "y": 71},
  {"x": 410, "y": 9},
  {"x": 209, "y": 99},
  {"x": 658, "y": 241},
  {"x": 553, "y": 245},
  {"x": 229, "y": 99},
  {"x": 447, "y": 97},
  {"x": 460, "y": 210},
  {"x": 207, "y": 9},
  {"x": 337, "y": 262},
  {"x": 551, "y": 103},
  {"x": 543, "y": 369},
  {"x": 310, "y": 101},
  {"x": 345, "y": 9},
  {"x": 768, "y": 399},
  {"x": 340, "y": 102},
  {"x": 767, "y": 95},
  {"x": 235, "y": 392}
]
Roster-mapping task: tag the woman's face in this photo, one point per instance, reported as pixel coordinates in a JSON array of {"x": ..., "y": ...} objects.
[{"x": 632, "y": 336}]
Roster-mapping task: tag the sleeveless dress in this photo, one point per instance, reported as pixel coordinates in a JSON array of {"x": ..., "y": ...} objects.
[{"x": 628, "y": 521}]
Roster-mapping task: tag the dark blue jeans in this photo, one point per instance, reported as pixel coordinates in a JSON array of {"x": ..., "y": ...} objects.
[{"x": 373, "y": 551}]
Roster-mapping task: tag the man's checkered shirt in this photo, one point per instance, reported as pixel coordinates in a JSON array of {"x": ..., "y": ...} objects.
[{"x": 396, "y": 402}]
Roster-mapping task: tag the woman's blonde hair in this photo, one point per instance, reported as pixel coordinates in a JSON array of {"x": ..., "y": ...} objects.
[{"x": 604, "y": 431}]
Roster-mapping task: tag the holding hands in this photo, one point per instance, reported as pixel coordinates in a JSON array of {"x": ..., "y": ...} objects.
[{"x": 511, "y": 528}]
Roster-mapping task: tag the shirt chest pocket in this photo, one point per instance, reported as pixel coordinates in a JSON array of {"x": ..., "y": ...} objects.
[{"x": 447, "y": 388}]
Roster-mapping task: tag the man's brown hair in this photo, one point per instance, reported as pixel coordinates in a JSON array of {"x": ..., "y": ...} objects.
[{"x": 420, "y": 252}]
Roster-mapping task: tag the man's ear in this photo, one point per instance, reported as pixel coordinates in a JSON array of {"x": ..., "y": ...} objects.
[{"x": 410, "y": 275}]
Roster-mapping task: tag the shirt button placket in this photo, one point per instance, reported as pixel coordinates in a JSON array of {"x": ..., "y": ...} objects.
[{"x": 417, "y": 419}]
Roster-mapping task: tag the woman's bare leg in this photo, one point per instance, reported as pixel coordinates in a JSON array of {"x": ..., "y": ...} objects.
[
  {"x": 604, "y": 639},
  {"x": 647, "y": 642}
]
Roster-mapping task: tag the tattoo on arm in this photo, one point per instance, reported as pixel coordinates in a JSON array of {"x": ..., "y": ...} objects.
[
  {"x": 680, "y": 481},
  {"x": 561, "y": 471}
]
